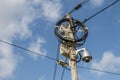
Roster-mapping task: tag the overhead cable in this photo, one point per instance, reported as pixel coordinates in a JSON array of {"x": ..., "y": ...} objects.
[
  {"x": 20, "y": 47},
  {"x": 98, "y": 70},
  {"x": 50, "y": 58},
  {"x": 63, "y": 71},
  {"x": 113, "y": 3},
  {"x": 78, "y": 6},
  {"x": 55, "y": 68}
]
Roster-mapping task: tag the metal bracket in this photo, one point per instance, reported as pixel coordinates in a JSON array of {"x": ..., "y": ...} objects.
[{"x": 62, "y": 63}]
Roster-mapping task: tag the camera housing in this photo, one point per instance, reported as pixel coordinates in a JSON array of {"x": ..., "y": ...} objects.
[{"x": 86, "y": 57}]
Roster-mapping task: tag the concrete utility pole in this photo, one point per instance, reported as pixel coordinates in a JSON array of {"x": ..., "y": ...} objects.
[
  {"x": 70, "y": 50},
  {"x": 74, "y": 72},
  {"x": 73, "y": 34},
  {"x": 72, "y": 53},
  {"x": 67, "y": 31}
]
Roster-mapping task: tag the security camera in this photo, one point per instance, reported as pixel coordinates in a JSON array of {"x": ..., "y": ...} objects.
[{"x": 85, "y": 56}]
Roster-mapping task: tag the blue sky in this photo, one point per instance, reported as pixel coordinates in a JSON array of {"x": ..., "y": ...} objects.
[{"x": 30, "y": 23}]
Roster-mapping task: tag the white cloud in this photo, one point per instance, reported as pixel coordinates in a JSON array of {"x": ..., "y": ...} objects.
[
  {"x": 10, "y": 25},
  {"x": 119, "y": 21},
  {"x": 81, "y": 77},
  {"x": 41, "y": 78},
  {"x": 7, "y": 61},
  {"x": 96, "y": 3},
  {"x": 15, "y": 17},
  {"x": 109, "y": 62},
  {"x": 36, "y": 46},
  {"x": 50, "y": 9}
]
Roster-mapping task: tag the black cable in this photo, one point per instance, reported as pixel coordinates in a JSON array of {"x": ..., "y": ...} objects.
[
  {"x": 100, "y": 11},
  {"x": 37, "y": 53},
  {"x": 98, "y": 70},
  {"x": 63, "y": 71},
  {"x": 93, "y": 69},
  {"x": 55, "y": 68},
  {"x": 78, "y": 6},
  {"x": 55, "y": 59},
  {"x": 78, "y": 58},
  {"x": 67, "y": 68}
]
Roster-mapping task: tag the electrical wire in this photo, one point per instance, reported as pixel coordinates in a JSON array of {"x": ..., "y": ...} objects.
[
  {"x": 50, "y": 58},
  {"x": 17, "y": 46},
  {"x": 98, "y": 70},
  {"x": 55, "y": 68},
  {"x": 37, "y": 53},
  {"x": 63, "y": 71},
  {"x": 78, "y": 6},
  {"x": 113, "y": 3},
  {"x": 93, "y": 69}
]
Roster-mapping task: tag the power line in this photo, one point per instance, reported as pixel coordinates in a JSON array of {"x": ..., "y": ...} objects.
[
  {"x": 20, "y": 47},
  {"x": 50, "y": 58},
  {"x": 37, "y": 53},
  {"x": 55, "y": 68},
  {"x": 63, "y": 71},
  {"x": 93, "y": 69},
  {"x": 113, "y": 3},
  {"x": 98, "y": 70},
  {"x": 78, "y": 6}
]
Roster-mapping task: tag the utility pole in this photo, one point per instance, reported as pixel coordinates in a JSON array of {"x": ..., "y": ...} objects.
[
  {"x": 72, "y": 34},
  {"x": 74, "y": 72},
  {"x": 72, "y": 52},
  {"x": 68, "y": 49}
]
